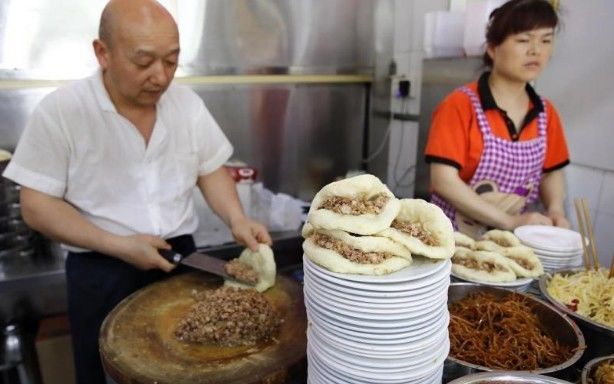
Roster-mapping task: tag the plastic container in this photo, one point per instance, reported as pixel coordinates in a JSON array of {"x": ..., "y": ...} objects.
[{"x": 476, "y": 20}]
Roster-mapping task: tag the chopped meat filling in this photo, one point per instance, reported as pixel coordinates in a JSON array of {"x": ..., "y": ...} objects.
[
  {"x": 522, "y": 262},
  {"x": 355, "y": 207},
  {"x": 471, "y": 263},
  {"x": 415, "y": 230},
  {"x": 350, "y": 253},
  {"x": 241, "y": 271},
  {"x": 229, "y": 317},
  {"x": 502, "y": 242}
]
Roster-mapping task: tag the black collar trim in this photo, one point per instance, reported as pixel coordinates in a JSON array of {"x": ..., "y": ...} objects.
[{"x": 488, "y": 102}]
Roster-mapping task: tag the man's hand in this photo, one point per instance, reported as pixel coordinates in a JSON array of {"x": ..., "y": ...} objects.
[
  {"x": 142, "y": 252},
  {"x": 250, "y": 233}
]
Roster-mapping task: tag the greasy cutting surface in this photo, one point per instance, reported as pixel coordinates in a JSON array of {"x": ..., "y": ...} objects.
[{"x": 138, "y": 345}]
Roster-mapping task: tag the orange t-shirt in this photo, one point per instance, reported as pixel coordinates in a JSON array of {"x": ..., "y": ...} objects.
[{"x": 455, "y": 137}]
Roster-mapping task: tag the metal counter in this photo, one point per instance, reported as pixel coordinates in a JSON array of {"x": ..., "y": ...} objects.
[{"x": 33, "y": 288}]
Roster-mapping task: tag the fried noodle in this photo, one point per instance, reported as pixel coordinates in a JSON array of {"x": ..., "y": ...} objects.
[{"x": 502, "y": 333}]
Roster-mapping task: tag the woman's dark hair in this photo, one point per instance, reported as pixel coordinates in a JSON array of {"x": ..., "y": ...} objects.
[{"x": 517, "y": 16}]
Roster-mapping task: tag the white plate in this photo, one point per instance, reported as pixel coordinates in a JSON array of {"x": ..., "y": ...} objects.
[
  {"x": 548, "y": 238},
  {"x": 558, "y": 258},
  {"x": 375, "y": 321},
  {"x": 405, "y": 336},
  {"x": 385, "y": 326},
  {"x": 545, "y": 252},
  {"x": 407, "y": 295},
  {"x": 420, "y": 267},
  {"x": 369, "y": 296},
  {"x": 519, "y": 282},
  {"x": 425, "y": 273},
  {"x": 334, "y": 375},
  {"x": 406, "y": 351},
  {"x": 375, "y": 302},
  {"x": 392, "y": 313},
  {"x": 409, "y": 375}
]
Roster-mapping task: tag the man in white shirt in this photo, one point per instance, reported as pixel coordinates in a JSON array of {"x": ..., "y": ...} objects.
[{"x": 107, "y": 165}]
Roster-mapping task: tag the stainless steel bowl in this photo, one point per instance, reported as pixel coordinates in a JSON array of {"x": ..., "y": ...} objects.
[
  {"x": 543, "y": 287},
  {"x": 599, "y": 337},
  {"x": 588, "y": 369},
  {"x": 507, "y": 377},
  {"x": 556, "y": 325}
]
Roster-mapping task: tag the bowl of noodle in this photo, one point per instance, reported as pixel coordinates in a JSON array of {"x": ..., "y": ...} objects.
[
  {"x": 599, "y": 371},
  {"x": 495, "y": 329},
  {"x": 587, "y": 296}
]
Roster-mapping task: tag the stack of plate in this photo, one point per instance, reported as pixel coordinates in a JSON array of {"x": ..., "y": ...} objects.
[
  {"x": 377, "y": 329},
  {"x": 557, "y": 248}
]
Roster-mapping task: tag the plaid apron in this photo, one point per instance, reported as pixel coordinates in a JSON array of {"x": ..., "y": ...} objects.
[{"x": 515, "y": 167}]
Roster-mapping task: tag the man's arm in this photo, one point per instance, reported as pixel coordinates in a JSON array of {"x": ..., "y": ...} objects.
[
  {"x": 552, "y": 190},
  {"x": 60, "y": 221},
  {"x": 447, "y": 183},
  {"x": 220, "y": 191}
]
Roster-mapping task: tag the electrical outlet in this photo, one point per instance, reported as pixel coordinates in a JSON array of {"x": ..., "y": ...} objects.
[{"x": 401, "y": 87}]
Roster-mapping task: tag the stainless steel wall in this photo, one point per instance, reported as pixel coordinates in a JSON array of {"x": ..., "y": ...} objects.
[{"x": 299, "y": 134}]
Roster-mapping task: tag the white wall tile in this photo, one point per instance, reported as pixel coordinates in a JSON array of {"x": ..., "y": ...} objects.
[
  {"x": 402, "y": 157},
  {"x": 606, "y": 198},
  {"x": 582, "y": 182},
  {"x": 604, "y": 237},
  {"x": 403, "y": 16}
]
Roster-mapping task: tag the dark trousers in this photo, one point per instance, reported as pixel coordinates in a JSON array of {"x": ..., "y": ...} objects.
[{"x": 96, "y": 284}]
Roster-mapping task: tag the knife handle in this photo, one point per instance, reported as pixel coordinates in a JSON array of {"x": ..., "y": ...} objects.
[{"x": 170, "y": 255}]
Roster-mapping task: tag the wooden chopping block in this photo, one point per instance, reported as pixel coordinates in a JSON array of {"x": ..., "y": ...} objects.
[{"x": 138, "y": 345}]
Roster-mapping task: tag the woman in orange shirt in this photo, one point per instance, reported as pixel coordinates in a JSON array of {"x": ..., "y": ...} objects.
[{"x": 495, "y": 145}]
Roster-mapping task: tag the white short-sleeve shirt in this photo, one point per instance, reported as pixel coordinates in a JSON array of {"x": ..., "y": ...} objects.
[{"x": 77, "y": 147}]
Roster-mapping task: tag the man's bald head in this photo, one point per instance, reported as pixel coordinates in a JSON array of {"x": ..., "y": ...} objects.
[{"x": 119, "y": 15}]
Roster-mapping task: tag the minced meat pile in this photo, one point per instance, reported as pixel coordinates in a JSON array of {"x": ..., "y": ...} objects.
[
  {"x": 355, "y": 207},
  {"x": 229, "y": 317},
  {"x": 347, "y": 251},
  {"x": 414, "y": 230},
  {"x": 241, "y": 271}
]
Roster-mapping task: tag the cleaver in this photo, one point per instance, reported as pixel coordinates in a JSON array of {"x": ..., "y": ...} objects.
[{"x": 201, "y": 261}]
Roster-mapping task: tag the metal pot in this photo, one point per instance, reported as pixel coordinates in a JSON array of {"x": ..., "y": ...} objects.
[
  {"x": 588, "y": 369},
  {"x": 556, "y": 324},
  {"x": 507, "y": 377},
  {"x": 599, "y": 337}
]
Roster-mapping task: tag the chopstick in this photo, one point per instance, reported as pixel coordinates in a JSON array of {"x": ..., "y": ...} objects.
[
  {"x": 587, "y": 263},
  {"x": 611, "y": 275},
  {"x": 591, "y": 237}
]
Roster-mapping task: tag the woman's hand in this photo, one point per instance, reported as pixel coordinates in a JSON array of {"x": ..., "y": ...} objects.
[
  {"x": 558, "y": 219},
  {"x": 529, "y": 218},
  {"x": 250, "y": 233}
]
